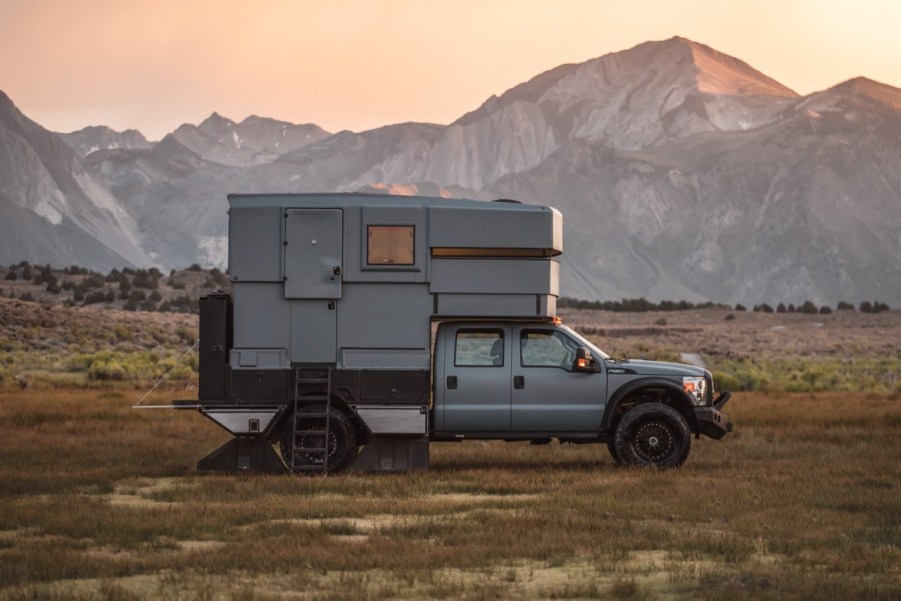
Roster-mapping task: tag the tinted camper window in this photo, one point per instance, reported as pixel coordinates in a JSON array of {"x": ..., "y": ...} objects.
[{"x": 390, "y": 245}]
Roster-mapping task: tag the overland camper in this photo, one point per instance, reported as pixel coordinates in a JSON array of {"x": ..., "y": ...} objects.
[{"x": 361, "y": 328}]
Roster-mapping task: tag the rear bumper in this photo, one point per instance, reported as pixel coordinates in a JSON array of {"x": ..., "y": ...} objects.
[{"x": 711, "y": 421}]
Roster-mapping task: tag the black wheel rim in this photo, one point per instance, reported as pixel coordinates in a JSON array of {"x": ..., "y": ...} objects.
[
  {"x": 314, "y": 440},
  {"x": 309, "y": 438},
  {"x": 654, "y": 441}
]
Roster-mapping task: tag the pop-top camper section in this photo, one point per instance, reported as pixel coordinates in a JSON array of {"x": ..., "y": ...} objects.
[{"x": 354, "y": 281}]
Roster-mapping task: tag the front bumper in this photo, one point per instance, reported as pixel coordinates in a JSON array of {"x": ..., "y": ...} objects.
[{"x": 711, "y": 421}]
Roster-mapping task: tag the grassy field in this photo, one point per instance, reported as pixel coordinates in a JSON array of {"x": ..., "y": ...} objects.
[
  {"x": 791, "y": 352},
  {"x": 100, "y": 501}
]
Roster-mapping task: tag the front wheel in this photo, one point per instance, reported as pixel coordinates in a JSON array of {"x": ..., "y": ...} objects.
[
  {"x": 653, "y": 434},
  {"x": 310, "y": 434},
  {"x": 612, "y": 448}
]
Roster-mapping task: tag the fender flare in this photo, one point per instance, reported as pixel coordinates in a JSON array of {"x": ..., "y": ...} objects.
[
  {"x": 684, "y": 405},
  {"x": 339, "y": 404}
]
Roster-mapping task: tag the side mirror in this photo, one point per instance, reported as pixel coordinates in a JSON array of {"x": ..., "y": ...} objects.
[{"x": 584, "y": 361}]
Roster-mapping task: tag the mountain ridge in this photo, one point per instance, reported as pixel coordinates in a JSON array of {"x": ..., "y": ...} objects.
[{"x": 682, "y": 172}]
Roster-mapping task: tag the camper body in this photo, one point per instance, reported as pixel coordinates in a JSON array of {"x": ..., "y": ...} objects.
[{"x": 361, "y": 328}]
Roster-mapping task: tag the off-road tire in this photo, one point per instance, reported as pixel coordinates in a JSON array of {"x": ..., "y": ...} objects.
[
  {"x": 612, "y": 448},
  {"x": 653, "y": 435},
  {"x": 342, "y": 446}
]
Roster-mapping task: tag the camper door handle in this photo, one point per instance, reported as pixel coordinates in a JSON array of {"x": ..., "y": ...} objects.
[
  {"x": 519, "y": 382},
  {"x": 452, "y": 382}
]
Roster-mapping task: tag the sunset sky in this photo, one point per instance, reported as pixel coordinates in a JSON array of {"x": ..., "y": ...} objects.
[{"x": 153, "y": 65}]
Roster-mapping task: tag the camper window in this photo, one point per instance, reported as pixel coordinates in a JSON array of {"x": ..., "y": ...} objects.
[{"x": 390, "y": 245}]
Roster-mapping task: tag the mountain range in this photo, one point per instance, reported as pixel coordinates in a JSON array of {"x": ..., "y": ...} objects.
[{"x": 681, "y": 172}]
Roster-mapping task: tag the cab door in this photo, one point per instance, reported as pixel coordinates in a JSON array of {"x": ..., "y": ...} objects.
[
  {"x": 549, "y": 395},
  {"x": 476, "y": 379}
]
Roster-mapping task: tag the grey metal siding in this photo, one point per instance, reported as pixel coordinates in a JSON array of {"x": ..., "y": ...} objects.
[
  {"x": 495, "y": 276},
  {"x": 384, "y": 316},
  {"x": 495, "y": 225},
  {"x": 262, "y": 317},
  {"x": 255, "y": 244}
]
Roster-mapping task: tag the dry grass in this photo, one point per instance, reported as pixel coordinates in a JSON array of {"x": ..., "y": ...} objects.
[
  {"x": 792, "y": 352},
  {"x": 98, "y": 501},
  {"x": 843, "y": 334}
]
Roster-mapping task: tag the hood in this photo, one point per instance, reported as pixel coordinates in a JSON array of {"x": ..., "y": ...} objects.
[{"x": 655, "y": 368}]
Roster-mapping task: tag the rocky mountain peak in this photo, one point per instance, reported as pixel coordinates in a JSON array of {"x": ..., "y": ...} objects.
[
  {"x": 719, "y": 73},
  {"x": 863, "y": 87},
  {"x": 5, "y": 101},
  {"x": 100, "y": 137},
  {"x": 215, "y": 123}
]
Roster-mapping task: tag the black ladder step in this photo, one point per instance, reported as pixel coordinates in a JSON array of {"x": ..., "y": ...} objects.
[{"x": 300, "y": 419}]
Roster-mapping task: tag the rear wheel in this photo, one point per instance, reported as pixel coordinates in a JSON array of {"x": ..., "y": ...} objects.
[
  {"x": 341, "y": 443},
  {"x": 653, "y": 434}
]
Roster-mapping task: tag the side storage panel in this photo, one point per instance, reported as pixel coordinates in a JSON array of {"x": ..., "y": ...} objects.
[
  {"x": 313, "y": 331},
  {"x": 215, "y": 342}
]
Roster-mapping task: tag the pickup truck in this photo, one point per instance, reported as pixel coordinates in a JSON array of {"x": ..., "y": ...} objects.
[{"x": 538, "y": 381}]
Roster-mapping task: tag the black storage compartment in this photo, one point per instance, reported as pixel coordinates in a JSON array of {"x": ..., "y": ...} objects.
[
  {"x": 260, "y": 385},
  {"x": 394, "y": 386},
  {"x": 215, "y": 343}
]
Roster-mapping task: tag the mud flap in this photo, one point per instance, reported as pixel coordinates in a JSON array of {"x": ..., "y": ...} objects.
[
  {"x": 243, "y": 455},
  {"x": 383, "y": 454}
]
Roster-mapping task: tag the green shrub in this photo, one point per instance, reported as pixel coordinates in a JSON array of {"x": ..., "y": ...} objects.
[
  {"x": 808, "y": 307},
  {"x": 723, "y": 381},
  {"x": 105, "y": 370}
]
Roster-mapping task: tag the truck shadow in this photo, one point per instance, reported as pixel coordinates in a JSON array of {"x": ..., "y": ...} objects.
[{"x": 523, "y": 465}]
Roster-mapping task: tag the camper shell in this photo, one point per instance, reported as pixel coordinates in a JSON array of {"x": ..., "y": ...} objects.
[{"x": 341, "y": 306}]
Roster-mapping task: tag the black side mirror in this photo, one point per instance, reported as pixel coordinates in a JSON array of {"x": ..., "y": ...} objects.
[{"x": 584, "y": 361}]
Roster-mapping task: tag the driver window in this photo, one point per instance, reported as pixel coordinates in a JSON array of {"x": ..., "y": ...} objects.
[{"x": 546, "y": 348}]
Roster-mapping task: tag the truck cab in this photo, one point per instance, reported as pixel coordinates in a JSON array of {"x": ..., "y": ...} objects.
[
  {"x": 542, "y": 380},
  {"x": 516, "y": 380}
]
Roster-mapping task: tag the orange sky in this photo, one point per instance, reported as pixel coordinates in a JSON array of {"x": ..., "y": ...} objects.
[{"x": 153, "y": 65}]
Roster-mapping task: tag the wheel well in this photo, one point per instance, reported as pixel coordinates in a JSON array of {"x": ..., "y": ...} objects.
[
  {"x": 336, "y": 403},
  {"x": 652, "y": 394}
]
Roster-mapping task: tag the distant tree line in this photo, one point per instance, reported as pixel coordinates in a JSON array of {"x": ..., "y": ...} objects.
[
  {"x": 642, "y": 305},
  {"x": 635, "y": 305},
  {"x": 138, "y": 288}
]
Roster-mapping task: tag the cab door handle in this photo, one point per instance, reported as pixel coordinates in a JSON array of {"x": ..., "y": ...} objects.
[
  {"x": 452, "y": 382},
  {"x": 519, "y": 382}
]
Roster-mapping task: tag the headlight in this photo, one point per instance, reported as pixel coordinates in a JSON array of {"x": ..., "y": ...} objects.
[{"x": 696, "y": 388}]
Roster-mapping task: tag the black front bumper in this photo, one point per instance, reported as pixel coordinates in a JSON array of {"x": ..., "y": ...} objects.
[{"x": 711, "y": 421}]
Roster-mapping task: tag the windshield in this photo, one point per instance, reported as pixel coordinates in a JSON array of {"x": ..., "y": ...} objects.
[{"x": 594, "y": 350}]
